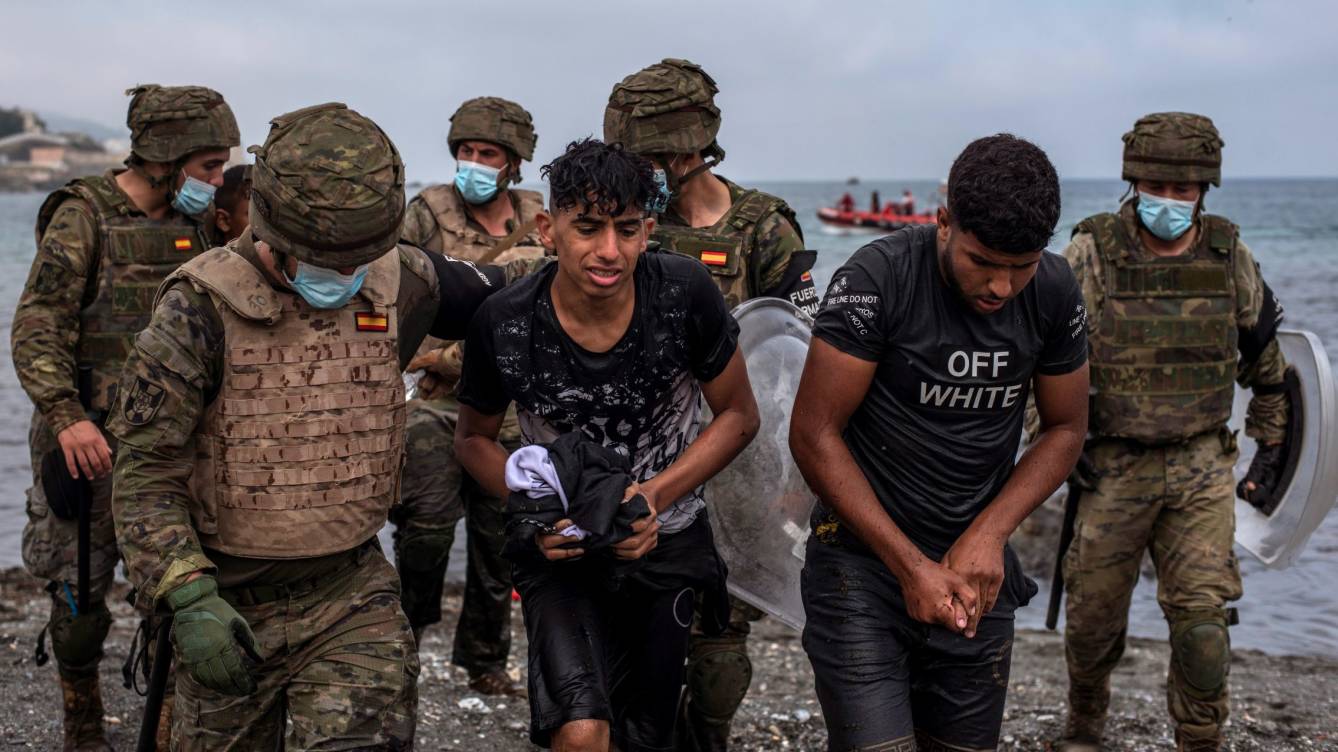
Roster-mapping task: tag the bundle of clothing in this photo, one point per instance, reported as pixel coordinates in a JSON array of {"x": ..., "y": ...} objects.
[{"x": 572, "y": 478}]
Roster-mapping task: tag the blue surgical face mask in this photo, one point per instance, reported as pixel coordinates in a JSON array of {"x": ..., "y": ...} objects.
[
  {"x": 1166, "y": 218},
  {"x": 325, "y": 288},
  {"x": 476, "y": 182},
  {"x": 193, "y": 197},
  {"x": 660, "y": 202}
]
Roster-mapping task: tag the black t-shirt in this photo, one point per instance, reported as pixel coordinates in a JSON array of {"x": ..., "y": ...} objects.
[
  {"x": 938, "y": 431},
  {"x": 643, "y": 395}
]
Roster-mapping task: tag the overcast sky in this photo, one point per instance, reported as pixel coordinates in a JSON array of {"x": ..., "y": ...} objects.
[{"x": 809, "y": 90}]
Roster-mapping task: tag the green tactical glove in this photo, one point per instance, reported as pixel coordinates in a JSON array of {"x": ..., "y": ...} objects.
[{"x": 211, "y": 637}]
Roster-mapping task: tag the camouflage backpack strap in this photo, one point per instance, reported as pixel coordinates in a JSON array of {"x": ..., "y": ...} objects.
[
  {"x": 1222, "y": 234},
  {"x": 1108, "y": 233},
  {"x": 99, "y": 191},
  {"x": 445, "y": 206},
  {"x": 229, "y": 278}
]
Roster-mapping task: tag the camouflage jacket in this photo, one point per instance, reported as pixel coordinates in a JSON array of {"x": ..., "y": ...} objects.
[
  {"x": 180, "y": 355},
  {"x": 1267, "y": 417},
  {"x": 46, "y": 329},
  {"x": 776, "y": 238}
]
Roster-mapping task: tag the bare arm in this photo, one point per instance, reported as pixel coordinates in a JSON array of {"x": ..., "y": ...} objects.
[
  {"x": 1061, "y": 402},
  {"x": 733, "y": 427},
  {"x": 831, "y": 389},
  {"x": 478, "y": 451}
]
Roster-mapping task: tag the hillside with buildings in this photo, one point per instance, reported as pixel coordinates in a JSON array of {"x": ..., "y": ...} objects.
[{"x": 34, "y": 159}]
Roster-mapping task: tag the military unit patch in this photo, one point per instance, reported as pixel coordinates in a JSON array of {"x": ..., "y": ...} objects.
[
  {"x": 714, "y": 258},
  {"x": 368, "y": 321},
  {"x": 50, "y": 279},
  {"x": 143, "y": 401},
  {"x": 183, "y": 244}
]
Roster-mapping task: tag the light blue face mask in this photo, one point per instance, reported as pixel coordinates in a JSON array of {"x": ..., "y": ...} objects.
[
  {"x": 661, "y": 201},
  {"x": 193, "y": 197},
  {"x": 1166, "y": 218},
  {"x": 326, "y": 288},
  {"x": 476, "y": 182}
]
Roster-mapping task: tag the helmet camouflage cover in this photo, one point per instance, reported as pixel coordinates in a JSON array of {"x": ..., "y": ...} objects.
[
  {"x": 1174, "y": 146},
  {"x": 494, "y": 119},
  {"x": 170, "y": 122},
  {"x": 666, "y": 108},
  {"x": 327, "y": 187}
]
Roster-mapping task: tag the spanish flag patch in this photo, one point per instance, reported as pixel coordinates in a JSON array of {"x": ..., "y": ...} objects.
[
  {"x": 806, "y": 277},
  {"x": 714, "y": 258},
  {"x": 368, "y": 321},
  {"x": 183, "y": 244}
]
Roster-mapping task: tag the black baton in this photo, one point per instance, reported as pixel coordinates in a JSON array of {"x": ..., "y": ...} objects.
[
  {"x": 1065, "y": 540},
  {"x": 153, "y": 701}
]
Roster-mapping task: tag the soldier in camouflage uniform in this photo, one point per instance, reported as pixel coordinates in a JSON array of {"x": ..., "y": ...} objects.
[
  {"x": 261, "y": 426},
  {"x": 1178, "y": 312},
  {"x": 492, "y": 133},
  {"x": 104, "y": 243},
  {"x": 753, "y": 247}
]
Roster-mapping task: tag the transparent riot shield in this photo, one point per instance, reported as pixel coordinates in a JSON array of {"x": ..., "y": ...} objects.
[{"x": 759, "y": 505}]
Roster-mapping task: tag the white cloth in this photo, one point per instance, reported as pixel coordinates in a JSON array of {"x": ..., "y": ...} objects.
[{"x": 530, "y": 470}]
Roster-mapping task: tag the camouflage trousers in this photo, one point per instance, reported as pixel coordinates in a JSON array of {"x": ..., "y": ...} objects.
[
  {"x": 435, "y": 493},
  {"x": 339, "y": 665},
  {"x": 718, "y": 675},
  {"x": 1176, "y": 502}
]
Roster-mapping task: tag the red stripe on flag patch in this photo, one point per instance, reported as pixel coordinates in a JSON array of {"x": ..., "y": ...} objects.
[
  {"x": 714, "y": 258},
  {"x": 183, "y": 244},
  {"x": 371, "y": 322},
  {"x": 806, "y": 276}
]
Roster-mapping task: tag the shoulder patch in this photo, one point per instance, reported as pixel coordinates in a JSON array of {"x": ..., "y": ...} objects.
[{"x": 142, "y": 402}]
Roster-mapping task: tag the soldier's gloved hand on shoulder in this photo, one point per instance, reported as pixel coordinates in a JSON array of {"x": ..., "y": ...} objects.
[
  {"x": 214, "y": 643},
  {"x": 1259, "y": 485},
  {"x": 1084, "y": 474}
]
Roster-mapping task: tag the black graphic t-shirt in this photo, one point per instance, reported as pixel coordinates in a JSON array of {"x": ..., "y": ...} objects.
[
  {"x": 938, "y": 431},
  {"x": 642, "y": 396}
]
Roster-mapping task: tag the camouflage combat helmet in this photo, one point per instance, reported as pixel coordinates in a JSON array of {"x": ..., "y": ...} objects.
[
  {"x": 667, "y": 108},
  {"x": 494, "y": 119},
  {"x": 327, "y": 187},
  {"x": 1174, "y": 146},
  {"x": 170, "y": 122}
]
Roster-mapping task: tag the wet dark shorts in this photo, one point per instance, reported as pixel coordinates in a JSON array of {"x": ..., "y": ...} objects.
[
  {"x": 884, "y": 678},
  {"x": 595, "y": 654}
]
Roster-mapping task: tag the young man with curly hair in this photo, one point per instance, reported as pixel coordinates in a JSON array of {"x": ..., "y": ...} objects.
[
  {"x": 621, "y": 346},
  {"x": 907, "y": 425}
]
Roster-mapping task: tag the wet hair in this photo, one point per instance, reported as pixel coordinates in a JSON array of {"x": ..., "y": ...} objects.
[
  {"x": 1003, "y": 190},
  {"x": 591, "y": 174},
  {"x": 236, "y": 187}
]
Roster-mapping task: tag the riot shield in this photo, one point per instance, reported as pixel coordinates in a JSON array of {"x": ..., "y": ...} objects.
[
  {"x": 1276, "y": 538},
  {"x": 759, "y": 505}
]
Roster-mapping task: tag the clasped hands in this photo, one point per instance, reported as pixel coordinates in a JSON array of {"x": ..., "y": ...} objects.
[{"x": 957, "y": 592}]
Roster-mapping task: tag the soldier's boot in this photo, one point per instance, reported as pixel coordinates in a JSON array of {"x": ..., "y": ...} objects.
[
  {"x": 83, "y": 711},
  {"x": 718, "y": 675},
  {"x": 497, "y": 682},
  {"x": 76, "y": 642},
  {"x": 1086, "y": 721},
  {"x": 1185, "y": 743}
]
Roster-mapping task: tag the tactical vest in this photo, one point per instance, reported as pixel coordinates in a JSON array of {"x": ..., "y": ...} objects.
[
  {"x": 299, "y": 454},
  {"x": 1164, "y": 352},
  {"x": 456, "y": 238},
  {"x": 135, "y": 255},
  {"x": 727, "y": 246}
]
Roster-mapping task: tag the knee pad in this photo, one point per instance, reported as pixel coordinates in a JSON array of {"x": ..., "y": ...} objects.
[
  {"x": 76, "y": 641},
  {"x": 1201, "y": 651},
  {"x": 421, "y": 557},
  {"x": 718, "y": 676}
]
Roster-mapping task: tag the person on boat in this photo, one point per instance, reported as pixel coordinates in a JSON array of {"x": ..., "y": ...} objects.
[
  {"x": 629, "y": 344},
  {"x": 847, "y": 202},
  {"x": 1180, "y": 313},
  {"x": 753, "y": 247},
  {"x": 906, "y": 426},
  {"x": 907, "y": 202}
]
